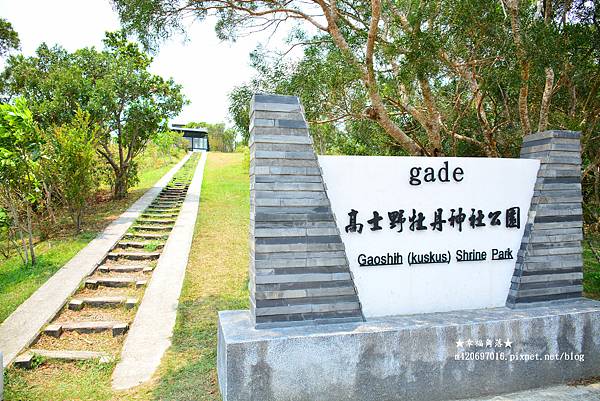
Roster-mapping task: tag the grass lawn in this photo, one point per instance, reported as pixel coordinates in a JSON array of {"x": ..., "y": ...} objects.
[{"x": 17, "y": 283}]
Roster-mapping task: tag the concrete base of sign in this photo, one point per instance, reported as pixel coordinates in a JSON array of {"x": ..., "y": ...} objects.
[{"x": 417, "y": 357}]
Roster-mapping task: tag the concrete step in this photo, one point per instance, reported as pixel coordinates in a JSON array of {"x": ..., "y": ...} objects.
[
  {"x": 166, "y": 203},
  {"x": 102, "y": 302},
  {"x": 156, "y": 221},
  {"x": 146, "y": 227},
  {"x": 117, "y": 328},
  {"x": 146, "y": 235},
  {"x": 125, "y": 268},
  {"x": 25, "y": 360},
  {"x": 134, "y": 255},
  {"x": 161, "y": 209},
  {"x": 94, "y": 283},
  {"x": 172, "y": 206},
  {"x": 159, "y": 215},
  {"x": 137, "y": 244}
]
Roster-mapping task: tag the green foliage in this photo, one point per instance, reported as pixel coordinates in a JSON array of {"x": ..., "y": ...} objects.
[
  {"x": 447, "y": 71},
  {"x": 9, "y": 38},
  {"x": 591, "y": 265},
  {"x": 220, "y": 139},
  {"x": 20, "y": 143},
  {"x": 245, "y": 151},
  {"x": 169, "y": 142},
  {"x": 239, "y": 110},
  {"x": 127, "y": 102},
  {"x": 151, "y": 246},
  {"x": 69, "y": 164}
]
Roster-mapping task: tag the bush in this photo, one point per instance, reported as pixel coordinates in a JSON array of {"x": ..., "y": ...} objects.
[{"x": 69, "y": 165}]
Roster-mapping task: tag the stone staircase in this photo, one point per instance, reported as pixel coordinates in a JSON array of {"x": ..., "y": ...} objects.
[{"x": 107, "y": 300}]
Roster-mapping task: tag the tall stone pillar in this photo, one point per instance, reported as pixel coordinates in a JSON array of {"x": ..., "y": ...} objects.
[
  {"x": 550, "y": 263},
  {"x": 299, "y": 273}
]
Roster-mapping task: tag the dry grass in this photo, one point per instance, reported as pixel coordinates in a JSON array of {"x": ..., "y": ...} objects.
[
  {"x": 71, "y": 381},
  {"x": 135, "y": 275},
  {"x": 95, "y": 314},
  {"x": 127, "y": 262},
  {"x": 110, "y": 292},
  {"x": 72, "y": 341}
]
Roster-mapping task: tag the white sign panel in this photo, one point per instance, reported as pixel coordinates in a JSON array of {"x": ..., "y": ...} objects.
[{"x": 430, "y": 234}]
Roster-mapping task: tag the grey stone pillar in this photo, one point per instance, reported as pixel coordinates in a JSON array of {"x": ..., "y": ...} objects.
[
  {"x": 549, "y": 264},
  {"x": 299, "y": 272}
]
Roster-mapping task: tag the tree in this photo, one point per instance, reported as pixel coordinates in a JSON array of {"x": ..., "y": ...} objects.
[
  {"x": 492, "y": 73},
  {"x": 20, "y": 144},
  {"x": 166, "y": 141},
  {"x": 410, "y": 56},
  {"x": 126, "y": 101},
  {"x": 220, "y": 138},
  {"x": 68, "y": 164},
  {"x": 239, "y": 110},
  {"x": 135, "y": 105},
  {"x": 9, "y": 38},
  {"x": 439, "y": 77}
]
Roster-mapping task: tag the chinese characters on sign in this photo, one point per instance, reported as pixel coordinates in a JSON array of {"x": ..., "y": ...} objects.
[
  {"x": 429, "y": 234},
  {"x": 417, "y": 222},
  {"x": 478, "y": 218}
]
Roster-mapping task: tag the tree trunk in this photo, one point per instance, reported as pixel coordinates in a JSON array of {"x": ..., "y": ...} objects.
[
  {"x": 24, "y": 246},
  {"x": 76, "y": 217},
  {"x": 17, "y": 226},
  {"x": 30, "y": 235},
  {"x": 25, "y": 254},
  {"x": 545, "y": 106},
  {"x": 120, "y": 190},
  {"x": 523, "y": 94},
  {"x": 78, "y": 222},
  {"x": 49, "y": 203}
]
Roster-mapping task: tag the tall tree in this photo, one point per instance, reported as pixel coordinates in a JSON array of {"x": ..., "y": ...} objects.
[{"x": 114, "y": 86}]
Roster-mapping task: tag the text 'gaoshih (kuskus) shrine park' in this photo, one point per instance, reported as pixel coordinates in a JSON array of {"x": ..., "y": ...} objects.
[{"x": 300, "y": 201}]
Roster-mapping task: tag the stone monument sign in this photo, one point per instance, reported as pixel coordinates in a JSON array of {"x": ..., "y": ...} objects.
[{"x": 413, "y": 278}]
